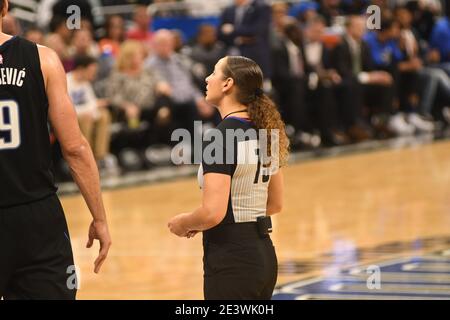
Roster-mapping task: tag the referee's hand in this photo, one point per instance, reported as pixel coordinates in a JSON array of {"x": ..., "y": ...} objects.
[
  {"x": 176, "y": 226},
  {"x": 99, "y": 231}
]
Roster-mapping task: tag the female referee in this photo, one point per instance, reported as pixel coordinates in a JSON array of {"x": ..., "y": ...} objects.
[{"x": 238, "y": 196}]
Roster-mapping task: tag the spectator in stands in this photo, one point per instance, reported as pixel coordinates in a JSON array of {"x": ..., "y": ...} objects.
[
  {"x": 322, "y": 82},
  {"x": 330, "y": 9},
  {"x": 141, "y": 30},
  {"x": 86, "y": 24},
  {"x": 179, "y": 40},
  {"x": 11, "y": 25},
  {"x": 114, "y": 36},
  {"x": 83, "y": 44},
  {"x": 411, "y": 70},
  {"x": 439, "y": 56},
  {"x": 440, "y": 43},
  {"x": 93, "y": 114},
  {"x": 35, "y": 34},
  {"x": 109, "y": 45},
  {"x": 182, "y": 51},
  {"x": 55, "y": 42},
  {"x": 424, "y": 16},
  {"x": 363, "y": 85},
  {"x": 189, "y": 102},
  {"x": 304, "y": 12},
  {"x": 352, "y": 60},
  {"x": 279, "y": 14},
  {"x": 59, "y": 39},
  {"x": 138, "y": 94},
  {"x": 58, "y": 25},
  {"x": 245, "y": 29},
  {"x": 386, "y": 55},
  {"x": 205, "y": 53},
  {"x": 289, "y": 82}
]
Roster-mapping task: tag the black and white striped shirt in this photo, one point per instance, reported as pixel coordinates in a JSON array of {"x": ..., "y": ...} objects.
[{"x": 249, "y": 183}]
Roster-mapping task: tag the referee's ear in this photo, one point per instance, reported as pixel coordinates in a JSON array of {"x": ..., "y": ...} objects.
[{"x": 229, "y": 83}]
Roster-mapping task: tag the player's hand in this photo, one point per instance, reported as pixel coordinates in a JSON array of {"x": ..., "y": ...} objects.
[
  {"x": 176, "y": 225},
  {"x": 99, "y": 231}
]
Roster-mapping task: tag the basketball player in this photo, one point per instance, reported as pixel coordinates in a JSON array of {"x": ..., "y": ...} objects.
[
  {"x": 36, "y": 258},
  {"x": 238, "y": 198}
]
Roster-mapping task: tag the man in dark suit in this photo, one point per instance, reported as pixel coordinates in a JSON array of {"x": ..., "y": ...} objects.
[
  {"x": 322, "y": 81},
  {"x": 245, "y": 28},
  {"x": 361, "y": 83},
  {"x": 289, "y": 82},
  {"x": 304, "y": 85}
]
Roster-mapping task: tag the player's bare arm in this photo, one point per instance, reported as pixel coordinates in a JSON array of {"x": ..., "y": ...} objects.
[{"x": 75, "y": 149}]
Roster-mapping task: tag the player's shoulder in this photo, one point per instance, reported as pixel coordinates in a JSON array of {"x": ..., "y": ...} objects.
[
  {"x": 49, "y": 59},
  {"x": 51, "y": 66},
  {"x": 18, "y": 42},
  {"x": 46, "y": 53}
]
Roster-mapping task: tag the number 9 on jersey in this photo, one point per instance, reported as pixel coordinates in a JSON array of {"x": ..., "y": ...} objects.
[{"x": 9, "y": 125}]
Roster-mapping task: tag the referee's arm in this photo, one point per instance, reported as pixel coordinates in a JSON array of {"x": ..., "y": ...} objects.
[
  {"x": 216, "y": 192},
  {"x": 275, "y": 194},
  {"x": 75, "y": 148}
]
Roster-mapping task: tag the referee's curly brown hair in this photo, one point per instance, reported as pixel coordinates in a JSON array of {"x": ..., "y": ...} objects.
[{"x": 248, "y": 78}]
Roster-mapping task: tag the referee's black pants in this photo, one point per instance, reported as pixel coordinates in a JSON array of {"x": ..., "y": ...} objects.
[
  {"x": 36, "y": 260},
  {"x": 238, "y": 263}
]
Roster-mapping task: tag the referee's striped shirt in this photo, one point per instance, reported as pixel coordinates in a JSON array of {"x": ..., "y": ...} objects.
[{"x": 249, "y": 183}]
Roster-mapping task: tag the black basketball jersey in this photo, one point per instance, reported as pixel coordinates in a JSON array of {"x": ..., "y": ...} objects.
[{"x": 25, "y": 152}]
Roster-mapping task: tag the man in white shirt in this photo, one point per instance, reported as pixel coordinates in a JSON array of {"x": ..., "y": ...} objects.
[{"x": 93, "y": 116}]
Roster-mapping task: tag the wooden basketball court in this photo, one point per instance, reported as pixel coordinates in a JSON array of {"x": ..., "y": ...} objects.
[{"x": 355, "y": 201}]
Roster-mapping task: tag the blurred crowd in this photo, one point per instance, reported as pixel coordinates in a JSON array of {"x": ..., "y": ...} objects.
[
  {"x": 338, "y": 82},
  {"x": 335, "y": 81}
]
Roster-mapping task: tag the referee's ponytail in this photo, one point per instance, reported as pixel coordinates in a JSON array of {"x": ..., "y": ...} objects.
[{"x": 248, "y": 78}]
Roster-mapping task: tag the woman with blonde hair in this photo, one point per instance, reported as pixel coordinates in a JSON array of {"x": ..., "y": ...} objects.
[{"x": 136, "y": 92}]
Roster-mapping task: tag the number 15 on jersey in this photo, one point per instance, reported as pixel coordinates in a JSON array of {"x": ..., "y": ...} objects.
[{"x": 9, "y": 125}]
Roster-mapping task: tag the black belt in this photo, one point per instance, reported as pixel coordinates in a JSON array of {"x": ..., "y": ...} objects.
[{"x": 239, "y": 231}]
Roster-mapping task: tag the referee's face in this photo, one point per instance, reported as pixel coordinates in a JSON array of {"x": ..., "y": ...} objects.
[{"x": 216, "y": 86}]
